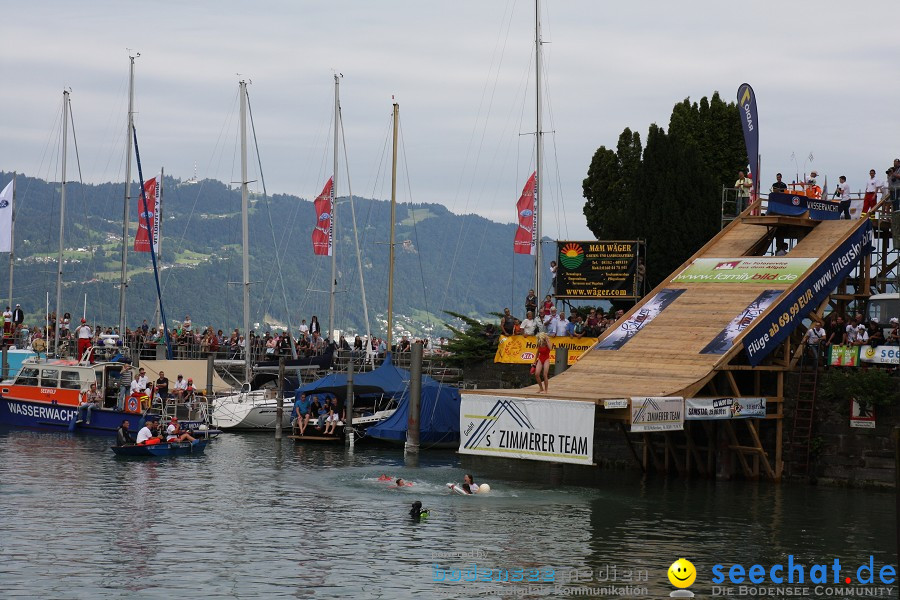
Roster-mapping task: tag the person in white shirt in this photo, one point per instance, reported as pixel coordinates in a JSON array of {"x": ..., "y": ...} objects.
[
  {"x": 7, "y": 321},
  {"x": 174, "y": 433},
  {"x": 146, "y": 433},
  {"x": 850, "y": 335},
  {"x": 874, "y": 186},
  {"x": 843, "y": 189},
  {"x": 180, "y": 388},
  {"x": 84, "y": 335},
  {"x": 530, "y": 326},
  {"x": 142, "y": 381},
  {"x": 560, "y": 325},
  {"x": 550, "y": 321},
  {"x": 862, "y": 335},
  {"x": 814, "y": 338}
]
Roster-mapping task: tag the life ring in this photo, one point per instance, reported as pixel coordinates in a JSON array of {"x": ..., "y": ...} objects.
[{"x": 132, "y": 404}]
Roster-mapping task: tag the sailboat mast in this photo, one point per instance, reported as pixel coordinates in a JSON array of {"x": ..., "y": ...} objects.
[
  {"x": 123, "y": 279},
  {"x": 62, "y": 216},
  {"x": 539, "y": 150},
  {"x": 12, "y": 240},
  {"x": 390, "y": 313},
  {"x": 334, "y": 184},
  {"x": 245, "y": 229},
  {"x": 157, "y": 223}
]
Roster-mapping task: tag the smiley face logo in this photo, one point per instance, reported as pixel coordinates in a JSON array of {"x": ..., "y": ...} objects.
[{"x": 682, "y": 573}]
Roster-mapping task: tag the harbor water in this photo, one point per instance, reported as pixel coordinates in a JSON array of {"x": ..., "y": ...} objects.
[{"x": 254, "y": 518}]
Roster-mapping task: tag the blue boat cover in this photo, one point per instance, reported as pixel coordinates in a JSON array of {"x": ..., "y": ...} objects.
[
  {"x": 387, "y": 380},
  {"x": 440, "y": 417}
]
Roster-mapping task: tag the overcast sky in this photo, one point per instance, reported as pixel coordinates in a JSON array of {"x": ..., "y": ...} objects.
[{"x": 825, "y": 74}]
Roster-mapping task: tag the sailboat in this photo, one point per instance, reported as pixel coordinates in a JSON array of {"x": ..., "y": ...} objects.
[
  {"x": 255, "y": 406},
  {"x": 46, "y": 393}
]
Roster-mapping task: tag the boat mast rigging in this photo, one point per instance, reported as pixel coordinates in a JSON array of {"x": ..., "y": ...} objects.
[
  {"x": 62, "y": 218},
  {"x": 334, "y": 196},
  {"x": 539, "y": 150},
  {"x": 390, "y": 310},
  {"x": 245, "y": 229},
  {"x": 123, "y": 279}
]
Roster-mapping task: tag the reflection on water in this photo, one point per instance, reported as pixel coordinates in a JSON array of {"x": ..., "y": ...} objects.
[{"x": 255, "y": 518}]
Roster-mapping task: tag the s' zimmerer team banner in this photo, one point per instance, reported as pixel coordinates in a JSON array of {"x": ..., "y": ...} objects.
[
  {"x": 597, "y": 270},
  {"x": 637, "y": 321},
  {"x": 650, "y": 414},
  {"x": 535, "y": 429},
  {"x": 746, "y": 269},
  {"x": 723, "y": 342},
  {"x": 775, "y": 326},
  {"x": 323, "y": 233},
  {"x": 521, "y": 349}
]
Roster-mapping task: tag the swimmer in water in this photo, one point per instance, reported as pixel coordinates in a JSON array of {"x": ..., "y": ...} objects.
[
  {"x": 469, "y": 486},
  {"x": 417, "y": 512},
  {"x": 384, "y": 477},
  {"x": 402, "y": 483}
]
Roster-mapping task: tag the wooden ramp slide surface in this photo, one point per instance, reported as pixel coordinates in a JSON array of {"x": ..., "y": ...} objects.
[{"x": 664, "y": 358}]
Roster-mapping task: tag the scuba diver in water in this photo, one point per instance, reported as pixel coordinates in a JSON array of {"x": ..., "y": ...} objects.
[{"x": 417, "y": 512}]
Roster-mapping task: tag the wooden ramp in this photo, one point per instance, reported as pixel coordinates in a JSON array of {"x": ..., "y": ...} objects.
[{"x": 664, "y": 358}]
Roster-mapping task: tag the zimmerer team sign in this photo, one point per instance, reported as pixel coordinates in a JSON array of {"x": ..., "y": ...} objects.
[
  {"x": 550, "y": 430},
  {"x": 596, "y": 270}
]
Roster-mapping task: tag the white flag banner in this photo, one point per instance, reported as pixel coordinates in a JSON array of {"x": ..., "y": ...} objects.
[{"x": 6, "y": 217}]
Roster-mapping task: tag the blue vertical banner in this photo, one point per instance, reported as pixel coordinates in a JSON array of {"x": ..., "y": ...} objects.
[
  {"x": 746, "y": 98},
  {"x": 775, "y": 326}
]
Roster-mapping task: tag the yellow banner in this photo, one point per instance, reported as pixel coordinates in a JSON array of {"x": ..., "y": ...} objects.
[{"x": 521, "y": 349}]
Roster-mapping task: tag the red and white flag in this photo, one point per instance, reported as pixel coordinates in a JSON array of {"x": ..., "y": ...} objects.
[
  {"x": 526, "y": 209},
  {"x": 147, "y": 220},
  {"x": 323, "y": 234}
]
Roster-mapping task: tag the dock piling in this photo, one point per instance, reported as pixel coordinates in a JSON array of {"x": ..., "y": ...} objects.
[
  {"x": 414, "y": 421},
  {"x": 348, "y": 419},
  {"x": 279, "y": 411}
]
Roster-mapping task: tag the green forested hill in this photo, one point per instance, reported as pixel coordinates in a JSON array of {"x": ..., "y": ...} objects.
[{"x": 444, "y": 261}]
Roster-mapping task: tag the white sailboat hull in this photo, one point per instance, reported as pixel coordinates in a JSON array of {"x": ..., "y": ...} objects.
[{"x": 249, "y": 410}]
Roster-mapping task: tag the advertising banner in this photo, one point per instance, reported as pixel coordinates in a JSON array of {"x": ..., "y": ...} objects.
[
  {"x": 862, "y": 414},
  {"x": 657, "y": 414},
  {"x": 746, "y": 98},
  {"x": 6, "y": 216},
  {"x": 748, "y": 269},
  {"x": 794, "y": 205},
  {"x": 526, "y": 211},
  {"x": 521, "y": 349},
  {"x": 147, "y": 220},
  {"x": 768, "y": 331},
  {"x": 323, "y": 233},
  {"x": 843, "y": 356},
  {"x": 534, "y": 429},
  {"x": 882, "y": 355},
  {"x": 637, "y": 321},
  {"x": 714, "y": 409},
  {"x": 723, "y": 342},
  {"x": 597, "y": 270}
]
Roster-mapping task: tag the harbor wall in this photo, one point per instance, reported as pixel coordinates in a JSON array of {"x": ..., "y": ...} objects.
[{"x": 850, "y": 456}]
